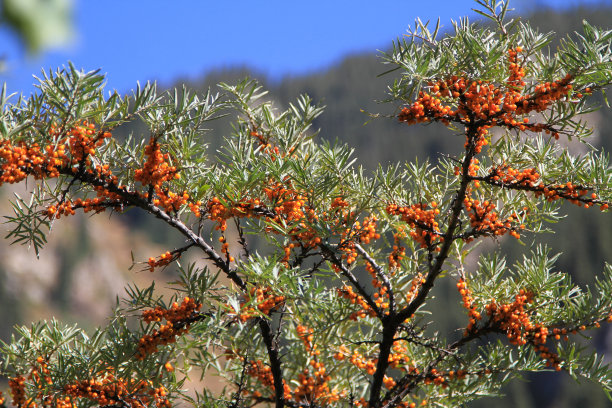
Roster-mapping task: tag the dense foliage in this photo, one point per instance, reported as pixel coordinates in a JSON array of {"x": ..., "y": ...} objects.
[{"x": 318, "y": 275}]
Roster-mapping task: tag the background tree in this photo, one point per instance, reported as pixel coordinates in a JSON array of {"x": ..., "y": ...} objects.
[{"x": 332, "y": 308}]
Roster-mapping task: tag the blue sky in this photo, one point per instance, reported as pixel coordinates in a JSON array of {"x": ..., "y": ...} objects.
[{"x": 140, "y": 40}]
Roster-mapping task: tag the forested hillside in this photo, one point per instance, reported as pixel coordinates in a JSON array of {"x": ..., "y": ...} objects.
[{"x": 350, "y": 91}]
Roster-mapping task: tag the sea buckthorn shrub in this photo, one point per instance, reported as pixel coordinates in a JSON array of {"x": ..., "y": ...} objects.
[{"x": 317, "y": 279}]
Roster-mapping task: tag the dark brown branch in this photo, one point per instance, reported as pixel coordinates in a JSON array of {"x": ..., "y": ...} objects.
[
  {"x": 381, "y": 274},
  {"x": 393, "y": 321},
  {"x": 329, "y": 254}
]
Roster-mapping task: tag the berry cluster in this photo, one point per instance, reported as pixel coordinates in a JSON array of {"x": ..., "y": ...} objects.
[
  {"x": 468, "y": 304},
  {"x": 178, "y": 320},
  {"x": 286, "y": 207},
  {"x": 398, "y": 356},
  {"x": 220, "y": 212},
  {"x": 529, "y": 179},
  {"x": 155, "y": 174},
  {"x": 18, "y": 392},
  {"x": 398, "y": 251},
  {"x": 113, "y": 391},
  {"x": 485, "y": 104},
  {"x": 314, "y": 381},
  {"x": 421, "y": 220},
  {"x": 347, "y": 293},
  {"x": 513, "y": 320},
  {"x": 578, "y": 195},
  {"x": 363, "y": 363},
  {"x": 164, "y": 259},
  {"x": 263, "y": 373},
  {"x": 104, "y": 389},
  {"x": 415, "y": 284},
  {"x": 39, "y": 377},
  {"x": 266, "y": 302},
  {"x": 485, "y": 220},
  {"x": 397, "y": 359},
  {"x": 68, "y": 150}
]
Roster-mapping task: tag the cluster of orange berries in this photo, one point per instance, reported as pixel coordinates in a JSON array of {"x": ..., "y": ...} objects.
[
  {"x": 155, "y": 172},
  {"x": 529, "y": 179},
  {"x": 70, "y": 147},
  {"x": 111, "y": 390},
  {"x": 485, "y": 220},
  {"x": 350, "y": 254},
  {"x": 415, "y": 284},
  {"x": 396, "y": 358},
  {"x": 164, "y": 259},
  {"x": 313, "y": 386},
  {"x": 487, "y": 104},
  {"x": 17, "y": 391},
  {"x": 468, "y": 304},
  {"x": 362, "y": 232},
  {"x": 286, "y": 200},
  {"x": 306, "y": 335},
  {"x": 70, "y": 152},
  {"x": 178, "y": 319},
  {"x": 508, "y": 176},
  {"x": 545, "y": 94},
  {"x": 39, "y": 374},
  {"x": 156, "y": 169},
  {"x": 266, "y": 300},
  {"x": 105, "y": 390},
  {"x": 577, "y": 195},
  {"x": 82, "y": 140},
  {"x": 398, "y": 251},
  {"x": 398, "y": 355},
  {"x": 514, "y": 321},
  {"x": 512, "y": 318},
  {"x": 437, "y": 378},
  {"x": 363, "y": 363},
  {"x": 368, "y": 365},
  {"x": 381, "y": 298},
  {"x": 422, "y": 221},
  {"x": 366, "y": 231},
  {"x": 348, "y": 293},
  {"x": 42, "y": 369},
  {"x": 288, "y": 206},
  {"x": 105, "y": 198},
  {"x": 22, "y": 160},
  {"x": 219, "y": 212},
  {"x": 262, "y": 372}
]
